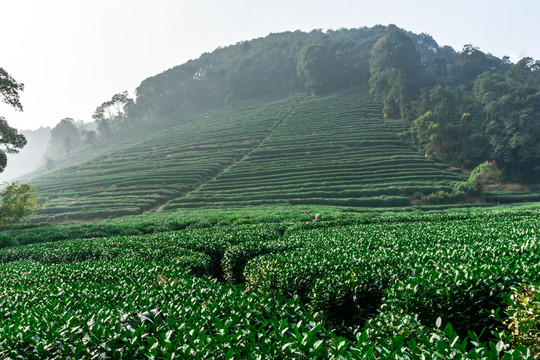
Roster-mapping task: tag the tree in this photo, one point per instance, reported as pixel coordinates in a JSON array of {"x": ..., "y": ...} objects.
[
  {"x": 435, "y": 139},
  {"x": 114, "y": 112},
  {"x": 526, "y": 72},
  {"x": 64, "y": 137},
  {"x": 512, "y": 124},
  {"x": 395, "y": 67},
  {"x": 333, "y": 64},
  {"x": 490, "y": 87},
  {"x": 314, "y": 66},
  {"x": 104, "y": 129},
  {"x": 471, "y": 62},
  {"x": 89, "y": 137},
  {"x": 9, "y": 89},
  {"x": 17, "y": 201},
  {"x": 67, "y": 145},
  {"x": 50, "y": 164},
  {"x": 10, "y": 140}
]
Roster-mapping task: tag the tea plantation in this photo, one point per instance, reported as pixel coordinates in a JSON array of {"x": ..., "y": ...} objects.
[
  {"x": 132, "y": 175},
  {"x": 206, "y": 252},
  {"x": 332, "y": 150},
  {"x": 445, "y": 286}
]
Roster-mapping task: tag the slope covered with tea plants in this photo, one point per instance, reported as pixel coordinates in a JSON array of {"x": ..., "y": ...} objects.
[
  {"x": 316, "y": 150},
  {"x": 223, "y": 130},
  {"x": 142, "y": 171},
  {"x": 331, "y": 150}
]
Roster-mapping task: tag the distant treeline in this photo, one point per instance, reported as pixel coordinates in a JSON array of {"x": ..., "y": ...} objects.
[{"x": 462, "y": 108}]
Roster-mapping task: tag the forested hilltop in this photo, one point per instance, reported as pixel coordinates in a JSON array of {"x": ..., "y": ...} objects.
[{"x": 460, "y": 107}]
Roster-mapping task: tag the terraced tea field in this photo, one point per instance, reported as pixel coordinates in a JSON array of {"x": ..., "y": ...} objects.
[
  {"x": 130, "y": 177},
  {"x": 328, "y": 150},
  {"x": 435, "y": 286},
  {"x": 332, "y": 150}
]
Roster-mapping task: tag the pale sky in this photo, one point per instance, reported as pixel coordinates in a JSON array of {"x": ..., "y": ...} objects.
[{"x": 72, "y": 55}]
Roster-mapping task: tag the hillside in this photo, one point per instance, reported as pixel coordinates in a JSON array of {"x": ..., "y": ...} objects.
[
  {"x": 330, "y": 150},
  {"x": 313, "y": 150},
  {"x": 367, "y": 118}
]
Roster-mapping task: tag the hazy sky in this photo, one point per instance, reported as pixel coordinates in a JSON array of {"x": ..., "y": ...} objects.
[{"x": 72, "y": 55}]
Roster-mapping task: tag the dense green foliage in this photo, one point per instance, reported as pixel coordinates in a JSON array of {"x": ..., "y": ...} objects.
[
  {"x": 461, "y": 108},
  {"x": 17, "y": 201},
  {"x": 523, "y": 322},
  {"x": 393, "y": 287},
  {"x": 10, "y": 140},
  {"x": 331, "y": 149}
]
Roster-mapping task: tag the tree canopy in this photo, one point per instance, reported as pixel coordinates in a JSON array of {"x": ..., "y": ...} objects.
[
  {"x": 10, "y": 140},
  {"x": 9, "y": 89},
  {"x": 65, "y": 137},
  {"x": 17, "y": 201},
  {"x": 112, "y": 115},
  {"x": 285, "y": 62}
]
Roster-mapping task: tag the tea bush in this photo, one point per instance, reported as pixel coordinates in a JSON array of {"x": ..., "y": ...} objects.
[{"x": 408, "y": 286}]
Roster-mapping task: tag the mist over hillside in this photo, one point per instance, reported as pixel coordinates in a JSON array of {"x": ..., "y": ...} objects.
[
  {"x": 39, "y": 150},
  {"x": 30, "y": 157},
  {"x": 452, "y": 104},
  {"x": 169, "y": 144}
]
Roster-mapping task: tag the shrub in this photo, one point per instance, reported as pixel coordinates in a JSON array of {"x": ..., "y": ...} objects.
[
  {"x": 466, "y": 187},
  {"x": 485, "y": 173},
  {"x": 417, "y": 195},
  {"x": 236, "y": 257},
  {"x": 348, "y": 298},
  {"x": 17, "y": 201},
  {"x": 523, "y": 322},
  {"x": 436, "y": 198}
]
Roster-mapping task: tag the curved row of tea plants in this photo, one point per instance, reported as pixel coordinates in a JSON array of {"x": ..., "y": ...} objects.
[
  {"x": 332, "y": 150},
  {"x": 419, "y": 286},
  {"x": 130, "y": 177},
  {"x": 440, "y": 265}
]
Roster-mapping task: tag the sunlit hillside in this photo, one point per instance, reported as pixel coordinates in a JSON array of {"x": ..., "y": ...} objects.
[
  {"x": 367, "y": 118},
  {"x": 330, "y": 150},
  {"x": 313, "y": 150}
]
